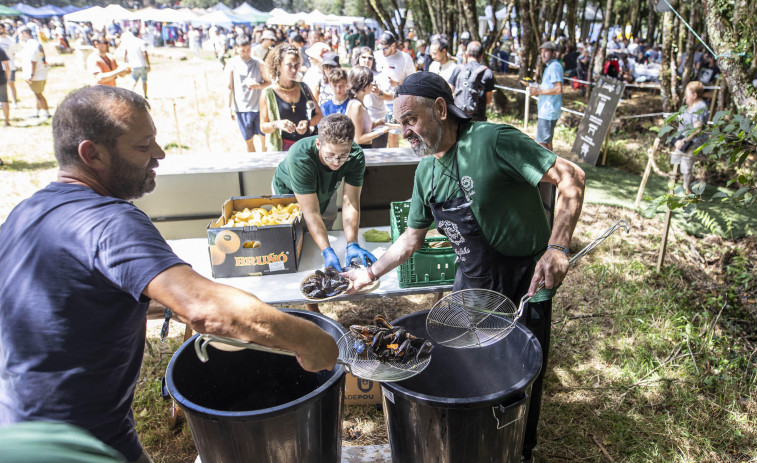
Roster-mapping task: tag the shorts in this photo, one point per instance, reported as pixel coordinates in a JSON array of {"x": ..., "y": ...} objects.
[
  {"x": 249, "y": 124},
  {"x": 684, "y": 159},
  {"x": 38, "y": 86},
  {"x": 3, "y": 93},
  {"x": 139, "y": 73},
  {"x": 545, "y": 130}
]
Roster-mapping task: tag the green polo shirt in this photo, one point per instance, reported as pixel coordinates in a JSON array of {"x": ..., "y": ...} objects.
[
  {"x": 500, "y": 168},
  {"x": 302, "y": 172},
  {"x": 42, "y": 442}
]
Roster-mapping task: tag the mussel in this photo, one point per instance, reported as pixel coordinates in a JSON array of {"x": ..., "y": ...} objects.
[
  {"x": 321, "y": 285},
  {"x": 389, "y": 343}
]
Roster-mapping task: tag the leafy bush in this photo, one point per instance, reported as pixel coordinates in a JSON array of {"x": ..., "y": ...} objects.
[{"x": 732, "y": 140}]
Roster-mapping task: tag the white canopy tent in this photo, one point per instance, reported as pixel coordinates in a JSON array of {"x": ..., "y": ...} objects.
[
  {"x": 218, "y": 18},
  {"x": 118, "y": 13},
  {"x": 246, "y": 8},
  {"x": 155, "y": 14},
  {"x": 221, "y": 7},
  {"x": 287, "y": 19},
  {"x": 90, "y": 14}
]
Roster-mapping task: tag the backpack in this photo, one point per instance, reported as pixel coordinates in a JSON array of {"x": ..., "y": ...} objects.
[
  {"x": 612, "y": 68},
  {"x": 469, "y": 89}
]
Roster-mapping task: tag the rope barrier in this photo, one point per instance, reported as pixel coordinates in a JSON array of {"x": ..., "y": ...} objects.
[
  {"x": 644, "y": 115},
  {"x": 504, "y": 61},
  {"x": 577, "y": 113}
]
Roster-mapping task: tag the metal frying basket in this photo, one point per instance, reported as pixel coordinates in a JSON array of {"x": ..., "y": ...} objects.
[
  {"x": 481, "y": 317},
  {"x": 364, "y": 365}
]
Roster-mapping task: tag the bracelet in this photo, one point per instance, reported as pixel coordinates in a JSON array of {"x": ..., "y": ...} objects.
[
  {"x": 371, "y": 275},
  {"x": 559, "y": 248}
]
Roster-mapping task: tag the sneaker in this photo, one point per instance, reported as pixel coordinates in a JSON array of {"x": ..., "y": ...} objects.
[
  {"x": 16, "y": 106},
  {"x": 45, "y": 116}
]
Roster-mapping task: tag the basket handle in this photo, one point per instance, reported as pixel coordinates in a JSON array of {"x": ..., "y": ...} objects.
[
  {"x": 578, "y": 256},
  {"x": 202, "y": 341}
]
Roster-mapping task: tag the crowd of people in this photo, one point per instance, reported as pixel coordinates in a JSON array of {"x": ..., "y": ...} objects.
[{"x": 285, "y": 81}]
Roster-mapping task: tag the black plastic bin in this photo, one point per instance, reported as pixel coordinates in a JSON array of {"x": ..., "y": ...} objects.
[
  {"x": 251, "y": 406},
  {"x": 469, "y": 405}
]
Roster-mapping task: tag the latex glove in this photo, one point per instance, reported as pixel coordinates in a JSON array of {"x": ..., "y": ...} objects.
[
  {"x": 331, "y": 260},
  {"x": 354, "y": 251}
]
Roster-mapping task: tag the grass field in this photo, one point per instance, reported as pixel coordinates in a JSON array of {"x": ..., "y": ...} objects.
[{"x": 645, "y": 366}]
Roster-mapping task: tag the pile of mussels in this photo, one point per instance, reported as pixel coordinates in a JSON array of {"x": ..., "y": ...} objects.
[
  {"x": 323, "y": 284},
  {"x": 390, "y": 343}
]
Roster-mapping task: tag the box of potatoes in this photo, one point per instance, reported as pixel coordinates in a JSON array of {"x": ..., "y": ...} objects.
[{"x": 256, "y": 235}]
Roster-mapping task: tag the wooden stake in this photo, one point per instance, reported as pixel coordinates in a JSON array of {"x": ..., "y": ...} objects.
[
  {"x": 647, "y": 171},
  {"x": 197, "y": 102},
  {"x": 604, "y": 149},
  {"x": 205, "y": 73},
  {"x": 714, "y": 97},
  {"x": 528, "y": 101},
  {"x": 666, "y": 227},
  {"x": 178, "y": 133}
]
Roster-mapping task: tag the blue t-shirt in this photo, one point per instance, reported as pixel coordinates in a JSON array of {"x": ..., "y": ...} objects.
[
  {"x": 330, "y": 107},
  {"x": 549, "y": 105},
  {"x": 73, "y": 266}
]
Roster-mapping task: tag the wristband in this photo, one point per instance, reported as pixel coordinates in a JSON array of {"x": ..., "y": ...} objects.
[
  {"x": 559, "y": 248},
  {"x": 371, "y": 275}
]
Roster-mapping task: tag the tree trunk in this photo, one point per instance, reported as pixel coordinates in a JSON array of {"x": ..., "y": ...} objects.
[
  {"x": 690, "y": 49},
  {"x": 635, "y": 6},
  {"x": 584, "y": 33},
  {"x": 525, "y": 38},
  {"x": 570, "y": 21},
  {"x": 536, "y": 34},
  {"x": 496, "y": 34},
  {"x": 433, "y": 14},
  {"x": 665, "y": 71},
  {"x": 723, "y": 39},
  {"x": 379, "y": 13},
  {"x": 601, "y": 52},
  {"x": 470, "y": 18},
  {"x": 651, "y": 24}
]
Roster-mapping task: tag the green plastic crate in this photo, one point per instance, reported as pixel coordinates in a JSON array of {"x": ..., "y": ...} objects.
[{"x": 428, "y": 266}]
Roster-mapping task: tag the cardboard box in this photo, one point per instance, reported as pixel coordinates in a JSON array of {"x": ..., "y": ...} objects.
[
  {"x": 250, "y": 251},
  {"x": 361, "y": 391}
]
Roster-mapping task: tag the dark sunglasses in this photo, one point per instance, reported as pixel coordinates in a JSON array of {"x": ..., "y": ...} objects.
[{"x": 366, "y": 57}]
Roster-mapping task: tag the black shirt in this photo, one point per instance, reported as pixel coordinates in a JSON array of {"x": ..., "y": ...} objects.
[
  {"x": 6, "y": 62},
  {"x": 295, "y": 112},
  {"x": 570, "y": 61}
]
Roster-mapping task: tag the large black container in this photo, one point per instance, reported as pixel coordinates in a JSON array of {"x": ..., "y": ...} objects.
[
  {"x": 251, "y": 406},
  {"x": 469, "y": 405}
]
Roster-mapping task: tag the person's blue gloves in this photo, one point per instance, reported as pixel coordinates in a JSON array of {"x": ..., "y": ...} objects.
[
  {"x": 331, "y": 260},
  {"x": 356, "y": 252}
]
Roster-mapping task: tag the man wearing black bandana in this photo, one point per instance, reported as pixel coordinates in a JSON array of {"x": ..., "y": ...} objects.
[{"x": 478, "y": 182}]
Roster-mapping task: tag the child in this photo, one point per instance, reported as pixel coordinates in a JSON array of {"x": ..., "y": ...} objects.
[{"x": 338, "y": 104}]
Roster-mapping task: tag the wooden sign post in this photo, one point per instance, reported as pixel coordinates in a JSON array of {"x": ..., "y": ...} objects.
[{"x": 597, "y": 119}]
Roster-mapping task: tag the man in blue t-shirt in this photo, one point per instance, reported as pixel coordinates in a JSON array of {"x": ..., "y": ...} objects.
[
  {"x": 78, "y": 266},
  {"x": 550, "y": 95}
]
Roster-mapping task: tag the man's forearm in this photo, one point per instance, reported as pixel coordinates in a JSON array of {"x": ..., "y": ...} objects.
[
  {"x": 400, "y": 251},
  {"x": 569, "y": 204}
]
